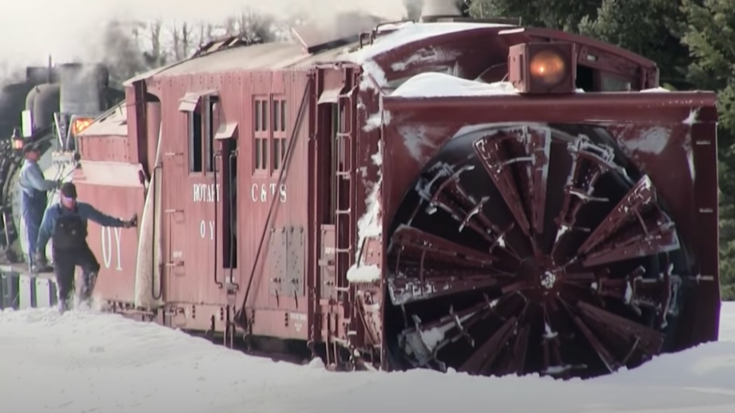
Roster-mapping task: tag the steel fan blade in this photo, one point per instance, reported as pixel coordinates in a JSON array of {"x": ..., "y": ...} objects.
[
  {"x": 407, "y": 290},
  {"x": 589, "y": 162},
  {"x": 483, "y": 357},
  {"x": 640, "y": 196},
  {"x": 558, "y": 191},
  {"x": 494, "y": 153},
  {"x": 420, "y": 245},
  {"x": 655, "y": 236},
  {"x": 620, "y": 330}
]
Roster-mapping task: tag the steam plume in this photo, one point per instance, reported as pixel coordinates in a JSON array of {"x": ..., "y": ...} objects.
[{"x": 71, "y": 29}]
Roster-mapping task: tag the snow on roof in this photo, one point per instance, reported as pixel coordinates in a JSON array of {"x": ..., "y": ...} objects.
[
  {"x": 112, "y": 364},
  {"x": 656, "y": 90},
  {"x": 114, "y": 122},
  {"x": 405, "y": 34},
  {"x": 431, "y": 85},
  {"x": 411, "y": 33}
]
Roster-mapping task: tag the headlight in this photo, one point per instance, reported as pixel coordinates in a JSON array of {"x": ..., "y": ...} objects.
[
  {"x": 548, "y": 67},
  {"x": 80, "y": 124},
  {"x": 543, "y": 68}
]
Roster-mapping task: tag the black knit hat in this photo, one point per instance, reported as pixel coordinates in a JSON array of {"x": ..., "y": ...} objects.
[
  {"x": 69, "y": 190},
  {"x": 30, "y": 148}
]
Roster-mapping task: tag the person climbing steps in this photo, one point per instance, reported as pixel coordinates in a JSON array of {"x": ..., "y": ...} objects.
[{"x": 65, "y": 224}]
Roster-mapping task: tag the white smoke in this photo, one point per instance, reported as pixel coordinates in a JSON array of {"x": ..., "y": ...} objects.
[{"x": 70, "y": 30}]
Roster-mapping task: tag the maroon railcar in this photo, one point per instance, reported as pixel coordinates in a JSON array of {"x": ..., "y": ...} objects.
[{"x": 449, "y": 193}]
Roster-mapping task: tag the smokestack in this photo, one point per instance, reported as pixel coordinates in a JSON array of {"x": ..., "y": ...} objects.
[
  {"x": 434, "y": 10},
  {"x": 80, "y": 89}
]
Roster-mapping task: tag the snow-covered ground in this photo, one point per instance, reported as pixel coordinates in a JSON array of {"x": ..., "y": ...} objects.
[{"x": 84, "y": 362}]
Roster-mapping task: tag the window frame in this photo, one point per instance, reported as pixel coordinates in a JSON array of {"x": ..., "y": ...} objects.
[
  {"x": 210, "y": 126},
  {"x": 279, "y": 138},
  {"x": 261, "y": 135},
  {"x": 200, "y": 110},
  {"x": 603, "y": 76},
  {"x": 191, "y": 142}
]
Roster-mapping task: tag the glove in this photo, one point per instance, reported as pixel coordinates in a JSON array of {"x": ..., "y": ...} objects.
[
  {"x": 132, "y": 222},
  {"x": 59, "y": 183}
]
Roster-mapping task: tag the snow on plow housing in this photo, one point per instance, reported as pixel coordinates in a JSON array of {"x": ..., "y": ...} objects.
[{"x": 455, "y": 193}]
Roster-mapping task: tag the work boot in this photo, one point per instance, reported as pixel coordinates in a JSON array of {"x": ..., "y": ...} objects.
[
  {"x": 41, "y": 265},
  {"x": 41, "y": 268},
  {"x": 85, "y": 297},
  {"x": 62, "y": 306}
]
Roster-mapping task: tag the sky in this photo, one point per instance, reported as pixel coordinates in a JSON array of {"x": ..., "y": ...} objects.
[{"x": 32, "y": 29}]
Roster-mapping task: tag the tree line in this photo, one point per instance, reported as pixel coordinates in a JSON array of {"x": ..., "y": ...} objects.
[{"x": 131, "y": 47}]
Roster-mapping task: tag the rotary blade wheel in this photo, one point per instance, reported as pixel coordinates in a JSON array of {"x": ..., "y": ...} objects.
[{"x": 531, "y": 249}]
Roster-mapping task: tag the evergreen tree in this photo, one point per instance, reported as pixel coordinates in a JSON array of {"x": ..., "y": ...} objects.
[
  {"x": 650, "y": 28},
  {"x": 555, "y": 14},
  {"x": 710, "y": 36}
]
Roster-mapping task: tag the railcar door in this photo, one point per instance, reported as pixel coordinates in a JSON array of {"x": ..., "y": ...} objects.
[
  {"x": 204, "y": 205},
  {"x": 226, "y": 178}
]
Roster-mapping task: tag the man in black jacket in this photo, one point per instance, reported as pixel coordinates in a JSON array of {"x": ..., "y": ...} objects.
[{"x": 66, "y": 225}]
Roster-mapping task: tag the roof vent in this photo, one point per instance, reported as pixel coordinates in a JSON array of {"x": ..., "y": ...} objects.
[{"x": 438, "y": 9}]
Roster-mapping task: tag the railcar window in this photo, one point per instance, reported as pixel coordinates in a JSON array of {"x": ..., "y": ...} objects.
[
  {"x": 283, "y": 116},
  {"x": 256, "y": 116},
  {"x": 279, "y": 132},
  {"x": 586, "y": 78},
  {"x": 264, "y": 116},
  {"x": 195, "y": 141},
  {"x": 261, "y": 134},
  {"x": 211, "y": 127},
  {"x": 612, "y": 83},
  {"x": 264, "y": 153},
  {"x": 256, "y": 151},
  {"x": 276, "y": 152},
  {"x": 261, "y": 154}
]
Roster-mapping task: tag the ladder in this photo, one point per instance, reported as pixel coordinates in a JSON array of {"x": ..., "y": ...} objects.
[{"x": 345, "y": 222}]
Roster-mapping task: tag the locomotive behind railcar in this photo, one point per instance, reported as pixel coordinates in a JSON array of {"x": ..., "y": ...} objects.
[
  {"x": 445, "y": 193},
  {"x": 48, "y": 110}
]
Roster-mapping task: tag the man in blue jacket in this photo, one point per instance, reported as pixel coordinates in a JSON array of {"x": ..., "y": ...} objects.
[
  {"x": 65, "y": 224},
  {"x": 33, "y": 200}
]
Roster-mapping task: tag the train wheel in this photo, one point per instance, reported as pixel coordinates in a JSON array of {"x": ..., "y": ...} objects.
[{"x": 532, "y": 249}]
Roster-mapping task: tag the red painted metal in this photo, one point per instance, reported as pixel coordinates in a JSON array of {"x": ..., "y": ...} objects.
[
  {"x": 565, "y": 262},
  {"x": 116, "y": 190},
  {"x": 106, "y": 139},
  {"x": 567, "y": 235}
]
